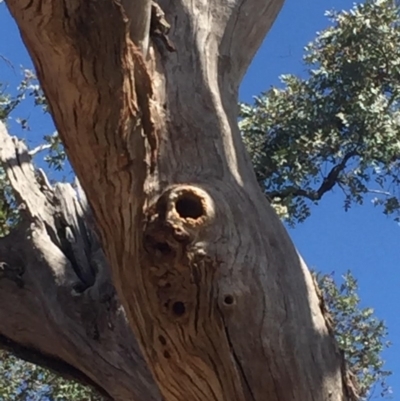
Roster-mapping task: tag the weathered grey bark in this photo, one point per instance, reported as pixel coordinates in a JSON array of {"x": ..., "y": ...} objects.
[
  {"x": 213, "y": 289},
  {"x": 58, "y": 307}
]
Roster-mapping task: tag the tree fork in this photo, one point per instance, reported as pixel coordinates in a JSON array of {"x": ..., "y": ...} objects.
[{"x": 220, "y": 302}]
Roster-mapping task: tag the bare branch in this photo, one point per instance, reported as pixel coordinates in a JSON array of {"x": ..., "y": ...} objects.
[
  {"x": 7, "y": 61},
  {"x": 49, "y": 320},
  {"x": 379, "y": 192},
  {"x": 38, "y": 149}
]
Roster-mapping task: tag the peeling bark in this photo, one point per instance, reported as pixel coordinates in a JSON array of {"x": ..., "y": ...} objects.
[{"x": 213, "y": 289}]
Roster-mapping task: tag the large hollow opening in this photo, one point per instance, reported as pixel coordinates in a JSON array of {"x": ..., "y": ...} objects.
[{"x": 189, "y": 206}]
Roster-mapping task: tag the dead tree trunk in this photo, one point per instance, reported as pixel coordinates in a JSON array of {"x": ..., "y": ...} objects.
[{"x": 212, "y": 287}]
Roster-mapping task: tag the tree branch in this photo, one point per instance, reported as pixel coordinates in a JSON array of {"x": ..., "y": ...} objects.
[
  {"x": 58, "y": 306},
  {"x": 231, "y": 24},
  {"x": 55, "y": 365},
  {"x": 249, "y": 22},
  {"x": 327, "y": 183},
  {"x": 38, "y": 149}
]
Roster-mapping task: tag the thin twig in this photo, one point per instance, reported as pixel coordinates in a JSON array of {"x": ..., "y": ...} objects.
[{"x": 39, "y": 149}]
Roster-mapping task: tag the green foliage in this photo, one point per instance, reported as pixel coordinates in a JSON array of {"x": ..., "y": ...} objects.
[
  {"x": 30, "y": 88},
  {"x": 8, "y": 209},
  {"x": 56, "y": 156},
  {"x": 359, "y": 333},
  {"x": 8, "y": 103},
  {"x": 339, "y": 126},
  {"x": 23, "y": 381}
]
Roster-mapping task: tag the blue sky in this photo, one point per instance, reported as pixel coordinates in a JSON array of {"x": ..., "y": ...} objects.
[{"x": 362, "y": 240}]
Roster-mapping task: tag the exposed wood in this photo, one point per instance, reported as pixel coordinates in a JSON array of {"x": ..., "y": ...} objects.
[
  {"x": 214, "y": 291},
  {"x": 138, "y": 14},
  {"x": 62, "y": 311}
]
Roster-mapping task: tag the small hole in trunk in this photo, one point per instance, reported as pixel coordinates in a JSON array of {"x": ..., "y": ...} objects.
[
  {"x": 229, "y": 300},
  {"x": 178, "y": 308}
]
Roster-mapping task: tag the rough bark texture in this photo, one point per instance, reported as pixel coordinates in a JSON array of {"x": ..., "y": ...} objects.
[
  {"x": 213, "y": 289},
  {"x": 58, "y": 307}
]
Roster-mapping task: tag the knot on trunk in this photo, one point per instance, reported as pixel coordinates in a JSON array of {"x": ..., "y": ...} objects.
[
  {"x": 175, "y": 222},
  {"x": 175, "y": 240}
]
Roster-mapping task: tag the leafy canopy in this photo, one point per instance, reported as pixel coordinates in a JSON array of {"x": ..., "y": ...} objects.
[
  {"x": 23, "y": 381},
  {"x": 360, "y": 334},
  {"x": 340, "y": 125}
]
